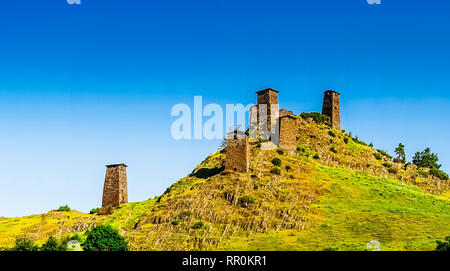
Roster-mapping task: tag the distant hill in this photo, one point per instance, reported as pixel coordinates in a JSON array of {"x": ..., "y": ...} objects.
[{"x": 335, "y": 193}]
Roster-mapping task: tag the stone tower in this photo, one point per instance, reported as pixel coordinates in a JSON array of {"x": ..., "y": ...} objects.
[
  {"x": 115, "y": 191},
  {"x": 288, "y": 133},
  {"x": 265, "y": 114},
  {"x": 237, "y": 157},
  {"x": 331, "y": 108}
]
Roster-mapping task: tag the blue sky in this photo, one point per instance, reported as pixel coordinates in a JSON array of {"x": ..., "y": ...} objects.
[{"x": 85, "y": 85}]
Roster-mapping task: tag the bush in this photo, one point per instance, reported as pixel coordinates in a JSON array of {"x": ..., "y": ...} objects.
[
  {"x": 384, "y": 153},
  {"x": 333, "y": 149},
  {"x": 280, "y": 151},
  {"x": 443, "y": 245},
  {"x": 94, "y": 211},
  {"x": 184, "y": 214},
  {"x": 53, "y": 244},
  {"x": 24, "y": 244},
  {"x": 316, "y": 156},
  {"x": 378, "y": 156},
  {"x": 276, "y": 161},
  {"x": 245, "y": 201},
  {"x": 423, "y": 173},
  {"x": 198, "y": 225},
  {"x": 356, "y": 139},
  {"x": 176, "y": 222},
  {"x": 64, "y": 208},
  {"x": 346, "y": 140},
  {"x": 317, "y": 117},
  {"x": 386, "y": 164},
  {"x": 276, "y": 171},
  {"x": 331, "y": 133},
  {"x": 439, "y": 174},
  {"x": 288, "y": 168},
  {"x": 104, "y": 238}
]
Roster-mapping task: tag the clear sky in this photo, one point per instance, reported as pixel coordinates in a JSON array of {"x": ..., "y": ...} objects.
[{"x": 85, "y": 85}]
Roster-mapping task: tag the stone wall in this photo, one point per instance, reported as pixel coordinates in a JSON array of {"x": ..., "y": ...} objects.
[
  {"x": 264, "y": 116},
  {"x": 237, "y": 157},
  {"x": 115, "y": 190},
  {"x": 331, "y": 108},
  {"x": 288, "y": 134}
]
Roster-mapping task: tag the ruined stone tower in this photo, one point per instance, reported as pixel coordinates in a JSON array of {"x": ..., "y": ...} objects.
[
  {"x": 115, "y": 191},
  {"x": 265, "y": 114},
  {"x": 331, "y": 108},
  {"x": 288, "y": 133},
  {"x": 237, "y": 157}
]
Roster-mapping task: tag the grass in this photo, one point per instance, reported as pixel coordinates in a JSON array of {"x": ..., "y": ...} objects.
[{"x": 321, "y": 200}]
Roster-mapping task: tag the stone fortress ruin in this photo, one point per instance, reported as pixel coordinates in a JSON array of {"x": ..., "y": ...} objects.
[{"x": 274, "y": 126}]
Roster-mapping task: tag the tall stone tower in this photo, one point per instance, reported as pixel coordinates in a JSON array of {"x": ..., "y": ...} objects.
[
  {"x": 331, "y": 108},
  {"x": 115, "y": 190},
  {"x": 288, "y": 133},
  {"x": 264, "y": 116},
  {"x": 237, "y": 157}
]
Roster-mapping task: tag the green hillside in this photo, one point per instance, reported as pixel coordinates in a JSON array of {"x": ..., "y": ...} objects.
[{"x": 335, "y": 193}]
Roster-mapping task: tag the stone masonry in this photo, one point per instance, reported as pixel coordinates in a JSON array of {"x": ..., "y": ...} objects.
[
  {"x": 265, "y": 114},
  {"x": 288, "y": 134},
  {"x": 115, "y": 190},
  {"x": 237, "y": 157},
  {"x": 331, "y": 108}
]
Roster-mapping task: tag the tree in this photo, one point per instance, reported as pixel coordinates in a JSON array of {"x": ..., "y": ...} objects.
[
  {"x": 443, "y": 246},
  {"x": 400, "y": 151},
  {"x": 426, "y": 159},
  {"x": 24, "y": 244},
  {"x": 104, "y": 238},
  {"x": 52, "y": 244}
]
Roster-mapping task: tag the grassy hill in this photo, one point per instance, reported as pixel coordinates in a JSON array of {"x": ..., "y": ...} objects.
[{"x": 335, "y": 193}]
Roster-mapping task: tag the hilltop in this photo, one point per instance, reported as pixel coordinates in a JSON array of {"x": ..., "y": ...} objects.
[{"x": 334, "y": 193}]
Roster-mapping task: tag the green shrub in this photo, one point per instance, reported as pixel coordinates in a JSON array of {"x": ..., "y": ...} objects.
[
  {"x": 176, "y": 222},
  {"x": 317, "y": 117},
  {"x": 198, "y": 225},
  {"x": 316, "y": 156},
  {"x": 378, "y": 156},
  {"x": 245, "y": 201},
  {"x": 331, "y": 133},
  {"x": 276, "y": 161},
  {"x": 333, "y": 149},
  {"x": 384, "y": 153},
  {"x": 288, "y": 167},
  {"x": 356, "y": 140},
  {"x": 280, "y": 151},
  {"x": 184, "y": 214},
  {"x": 276, "y": 171},
  {"x": 64, "y": 208},
  {"x": 371, "y": 144},
  {"x": 24, "y": 244},
  {"x": 423, "y": 173},
  {"x": 443, "y": 245},
  {"x": 439, "y": 174},
  {"x": 53, "y": 244},
  {"x": 386, "y": 164},
  {"x": 94, "y": 211},
  {"x": 346, "y": 140},
  {"x": 104, "y": 238}
]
